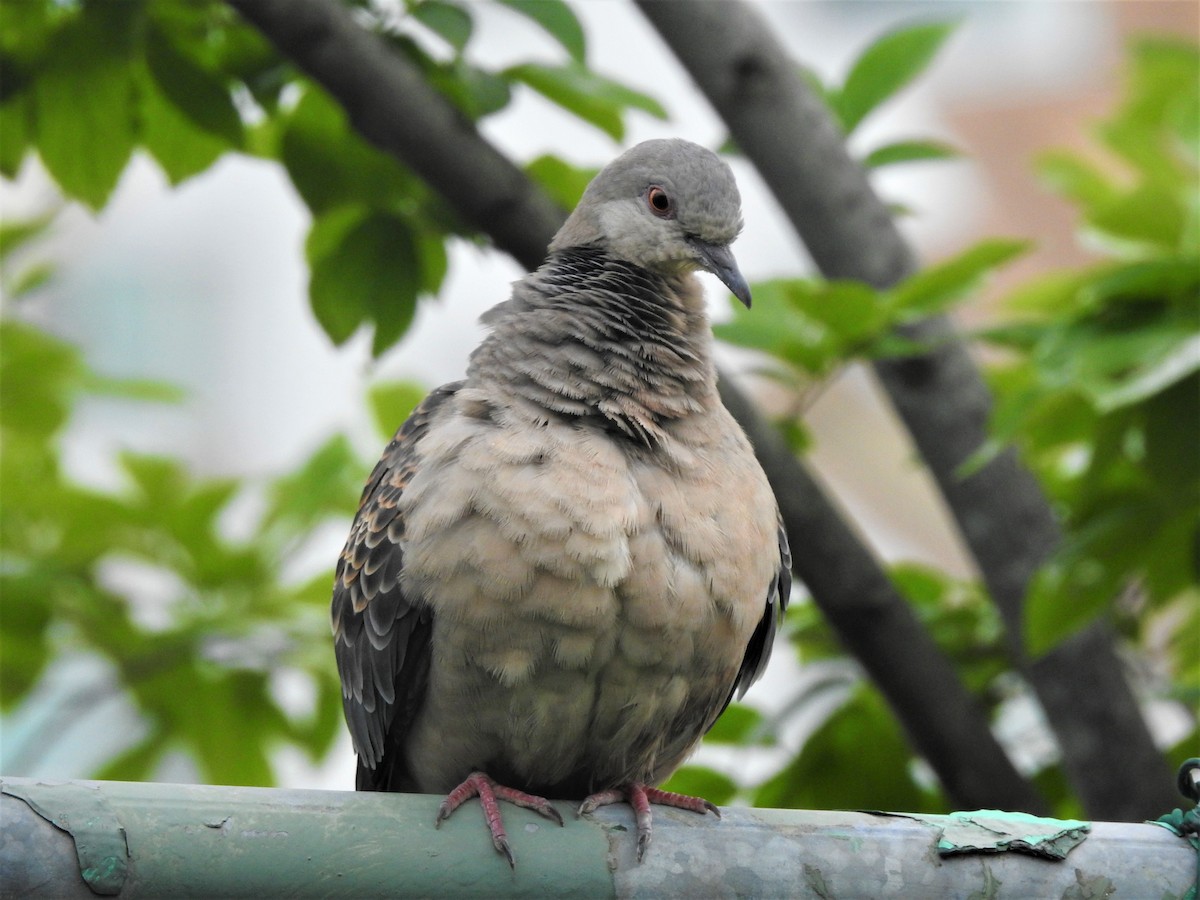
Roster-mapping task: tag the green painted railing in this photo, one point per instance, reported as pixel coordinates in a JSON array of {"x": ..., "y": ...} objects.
[{"x": 80, "y": 839}]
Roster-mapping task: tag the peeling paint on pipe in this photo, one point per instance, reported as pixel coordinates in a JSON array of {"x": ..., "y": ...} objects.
[{"x": 168, "y": 840}]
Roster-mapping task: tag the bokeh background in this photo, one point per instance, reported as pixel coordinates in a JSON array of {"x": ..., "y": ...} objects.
[{"x": 204, "y": 287}]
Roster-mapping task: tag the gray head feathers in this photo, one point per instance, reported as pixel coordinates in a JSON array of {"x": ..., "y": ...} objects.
[{"x": 669, "y": 206}]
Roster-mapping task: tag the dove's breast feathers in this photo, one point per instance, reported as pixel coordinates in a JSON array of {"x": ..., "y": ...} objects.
[{"x": 584, "y": 592}]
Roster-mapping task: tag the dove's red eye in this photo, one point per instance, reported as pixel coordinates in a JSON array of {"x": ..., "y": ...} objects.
[{"x": 658, "y": 201}]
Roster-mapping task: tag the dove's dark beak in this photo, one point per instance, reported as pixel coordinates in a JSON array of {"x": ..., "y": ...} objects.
[{"x": 718, "y": 259}]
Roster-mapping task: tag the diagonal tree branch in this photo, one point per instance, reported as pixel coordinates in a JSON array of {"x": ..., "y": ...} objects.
[
  {"x": 391, "y": 106},
  {"x": 1006, "y": 520},
  {"x": 941, "y": 717}
]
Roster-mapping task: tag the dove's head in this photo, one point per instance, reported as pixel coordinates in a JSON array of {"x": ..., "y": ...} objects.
[{"x": 669, "y": 206}]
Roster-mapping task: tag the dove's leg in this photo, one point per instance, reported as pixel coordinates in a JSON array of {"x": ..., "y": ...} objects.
[
  {"x": 640, "y": 796},
  {"x": 481, "y": 785}
]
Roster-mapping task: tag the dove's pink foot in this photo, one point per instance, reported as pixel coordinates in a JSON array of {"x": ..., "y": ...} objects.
[
  {"x": 640, "y": 797},
  {"x": 481, "y": 785}
]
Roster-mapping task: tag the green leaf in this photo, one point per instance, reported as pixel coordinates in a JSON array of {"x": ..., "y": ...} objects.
[
  {"x": 24, "y": 644},
  {"x": 180, "y": 148},
  {"x": 158, "y": 480},
  {"x": 1049, "y": 295},
  {"x": 1120, "y": 359},
  {"x": 858, "y": 759},
  {"x": 225, "y": 722},
  {"x": 31, "y": 279},
  {"x": 331, "y": 166},
  {"x": 908, "y": 151},
  {"x": 935, "y": 288},
  {"x": 141, "y": 389},
  {"x": 851, "y": 310},
  {"x": 245, "y": 56},
  {"x": 1039, "y": 419},
  {"x": 1076, "y": 179},
  {"x": 815, "y": 325},
  {"x": 597, "y": 100},
  {"x": 739, "y": 724},
  {"x": 139, "y": 762},
  {"x": 40, "y": 375},
  {"x": 326, "y": 484},
  {"x": 83, "y": 103},
  {"x": 699, "y": 781},
  {"x": 1172, "y": 436},
  {"x": 810, "y": 323},
  {"x": 364, "y": 268},
  {"x": 885, "y": 67},
  {"x": 564, "y": 182},
  {"x": 965, "y": 624},
  {"x": 448, "y": 21},
  {"x": 1161, "y": 83},
  {"x": 25, "y": 29},
  {"x": 1176, "y": 359},
  {"x": 558, "y": 21},
  {"x": 477, "y": 92},
  {"x": 433, "y": 261},
  {"x": 1149, "y": 214},
  {"x": 778, "y": 328},
  {"x": 1062, "y": 600},
  {"x": 1175, "y": 279},
  {"x": 392, "y": 402},
  {"x": 198, "y": 94},
  {"x": 19, "y": 233},
  {"x": 16, "y": 134}
]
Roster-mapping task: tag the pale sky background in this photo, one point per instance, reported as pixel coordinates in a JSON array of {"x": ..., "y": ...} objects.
[{"x": 204, "y": 286}]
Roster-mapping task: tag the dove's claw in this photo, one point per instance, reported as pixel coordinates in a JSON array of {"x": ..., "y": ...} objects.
[
  {"x": 639, "y": 796},
  {"x": 483, "y": 786}
]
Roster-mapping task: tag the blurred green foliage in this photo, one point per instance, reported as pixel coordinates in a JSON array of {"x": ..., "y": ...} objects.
[
  {"x": 200, "y": 668},
  {"x": 188, "y": 82},
  {"x": 1098, "y": 387},
  {"x": 1101, "y": 385},
  {"x": 185, "y": 84}
]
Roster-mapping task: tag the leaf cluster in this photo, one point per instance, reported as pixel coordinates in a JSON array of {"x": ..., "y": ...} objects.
[
  {"x": 1101, "y": 387},
  {"x": 198, "y": 626},
  {"x": 187, "y": 83},
  {"x": 884, "y": 68},
  {"x": 811, "y": 327},
  {"x": 202, "y": 651},
  {"x": 814, "y": 326}
]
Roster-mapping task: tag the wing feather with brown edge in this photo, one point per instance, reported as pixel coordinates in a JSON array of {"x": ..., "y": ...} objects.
[{"x": 381, "y": 637}]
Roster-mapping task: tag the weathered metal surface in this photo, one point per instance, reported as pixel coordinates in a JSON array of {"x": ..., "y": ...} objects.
[
  {"x": 197, "y": 840},
  {"x": 96, "y": 834},
  {"x": 828, "y": 855},
  {"x": 193, "y": 840}
]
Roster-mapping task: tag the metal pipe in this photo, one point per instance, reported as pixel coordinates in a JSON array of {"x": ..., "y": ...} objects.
[{"x": 79, "y": 839}]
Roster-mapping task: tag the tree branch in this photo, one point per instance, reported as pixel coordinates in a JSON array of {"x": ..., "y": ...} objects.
[
  {"x": 942, "y": 719},
  {"x": 789, "y": 135},
  {"x": 936, "y": 710},
  {"x": 392, "y": 105}
]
